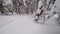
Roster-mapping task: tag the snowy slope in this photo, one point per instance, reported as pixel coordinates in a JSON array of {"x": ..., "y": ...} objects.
[
  {"x": 6, "y": 19},
  {"x": 25, "y": 25}
]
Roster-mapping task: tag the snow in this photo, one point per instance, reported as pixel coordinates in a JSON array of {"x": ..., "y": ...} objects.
[
  {"x": 24, "y": 24},
  {"x": 7, "y": 2},
  {"x": 53, "y": 19},
  {"x": 6, "y": 19},
  {"x": 40, "y": 4}
]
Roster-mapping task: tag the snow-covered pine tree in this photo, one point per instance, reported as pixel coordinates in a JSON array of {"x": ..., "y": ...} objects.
[{"x": 7, "y": 7}]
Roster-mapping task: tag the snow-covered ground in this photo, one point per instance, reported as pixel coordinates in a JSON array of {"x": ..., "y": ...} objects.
[{"x": 24, "y": 24}]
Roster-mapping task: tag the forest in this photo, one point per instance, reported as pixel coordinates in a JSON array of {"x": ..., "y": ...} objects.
[{"x": 40, "y": 9}]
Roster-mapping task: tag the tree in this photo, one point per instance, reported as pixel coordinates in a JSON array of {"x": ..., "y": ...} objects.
[{"x": 1, "y": 6}]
